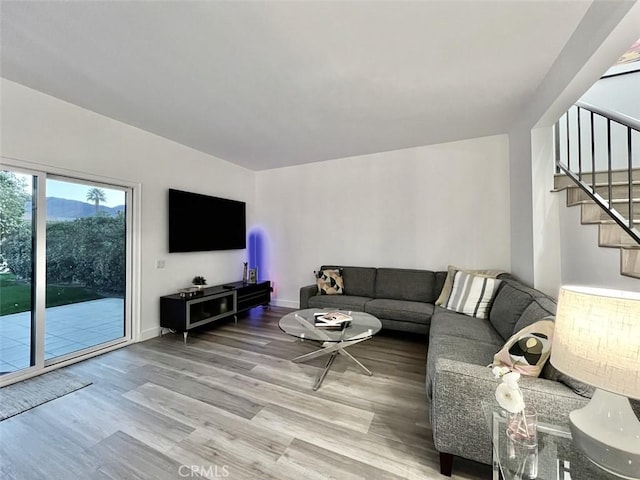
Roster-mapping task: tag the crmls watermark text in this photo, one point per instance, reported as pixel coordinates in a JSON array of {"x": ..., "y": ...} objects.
[{"x": 208, "y": 471}]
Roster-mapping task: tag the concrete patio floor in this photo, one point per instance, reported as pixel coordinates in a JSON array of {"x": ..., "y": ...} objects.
[{"x": 68, "y": 328}]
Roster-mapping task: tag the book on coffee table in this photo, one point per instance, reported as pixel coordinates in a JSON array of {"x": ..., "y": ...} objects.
[{"x": 332, "y": 320}]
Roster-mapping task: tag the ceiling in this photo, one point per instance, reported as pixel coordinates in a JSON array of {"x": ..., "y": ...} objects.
[{"x": 268, "y": 84}]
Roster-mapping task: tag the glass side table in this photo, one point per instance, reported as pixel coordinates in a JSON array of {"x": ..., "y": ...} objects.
[{"x": 555, "y": 459}]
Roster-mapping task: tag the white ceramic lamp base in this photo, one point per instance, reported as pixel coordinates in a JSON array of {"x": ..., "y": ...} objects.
[{"x": 608, "y": 432}]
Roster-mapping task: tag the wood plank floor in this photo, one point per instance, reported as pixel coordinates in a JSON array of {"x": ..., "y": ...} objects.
[{"x": 232, "y": 405}]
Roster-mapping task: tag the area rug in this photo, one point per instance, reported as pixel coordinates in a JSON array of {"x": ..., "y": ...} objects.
[{"x": 30, "y": 393}]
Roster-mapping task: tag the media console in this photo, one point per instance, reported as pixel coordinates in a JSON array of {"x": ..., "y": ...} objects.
[{"x": 214, "y": 303}]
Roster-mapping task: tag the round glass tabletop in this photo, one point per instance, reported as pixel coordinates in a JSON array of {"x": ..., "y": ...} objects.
[{"x": 300, "y": 324}]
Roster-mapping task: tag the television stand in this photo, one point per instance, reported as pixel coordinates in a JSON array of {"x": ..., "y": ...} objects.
[
  {"x": 214, "y": 303},
  {"x": 250, "y": 295}
]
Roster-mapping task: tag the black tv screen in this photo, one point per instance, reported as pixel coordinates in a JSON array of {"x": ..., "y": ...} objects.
[{"x": 199, "y": 223}]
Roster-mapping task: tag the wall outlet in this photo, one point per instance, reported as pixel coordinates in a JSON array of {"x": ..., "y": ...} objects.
[{"x": 159, "y": 263}]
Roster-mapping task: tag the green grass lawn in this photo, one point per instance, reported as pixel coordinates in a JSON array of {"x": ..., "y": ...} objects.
[{"x": 15, "y": 295}]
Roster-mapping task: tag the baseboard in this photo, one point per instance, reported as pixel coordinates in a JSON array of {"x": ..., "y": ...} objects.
[
  {"x": 279, "y": 302},
  {"x": 150, "y": 333}
]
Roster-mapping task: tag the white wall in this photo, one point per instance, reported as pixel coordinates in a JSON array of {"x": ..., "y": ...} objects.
[
  {"x": 547, "y": 238},
  {"x": 620, "y": 93},
  {"x": 520, "y": 183},
  {"x": 45, "y": 131},
  {"x": 423, "y": 207}
]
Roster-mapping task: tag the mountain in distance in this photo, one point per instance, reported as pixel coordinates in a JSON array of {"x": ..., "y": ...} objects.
[{"x": 64, "y": 209}]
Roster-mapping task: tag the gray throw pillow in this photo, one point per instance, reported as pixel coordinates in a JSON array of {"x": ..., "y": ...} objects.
[{"x": 552, "y": 373}]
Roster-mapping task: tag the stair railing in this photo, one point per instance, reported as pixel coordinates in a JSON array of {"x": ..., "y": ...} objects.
[{"x": 579, "y": 170}]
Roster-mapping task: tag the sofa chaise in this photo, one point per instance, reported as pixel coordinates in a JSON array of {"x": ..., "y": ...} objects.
[{"x": 458, "y": 379}]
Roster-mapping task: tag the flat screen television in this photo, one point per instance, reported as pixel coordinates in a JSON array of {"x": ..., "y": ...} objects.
[{"x": 199, "y": 223}]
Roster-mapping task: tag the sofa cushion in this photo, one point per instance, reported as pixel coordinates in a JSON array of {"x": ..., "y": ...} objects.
[
  {"x": 358, "y": 281},
  {"x": 527, "y": 350},
  {"x": 472, "y": 294},
  {"x": 511, "y": 301},
  {"x": 538, "y": 309},
  {"x": 404, "y": 310},
  {"x": 342, "y": 302},
  {"x": 405, "y": 284},
  {"x": 409, "y": 327},
  {"x": 329, "y": 281},
  {"x": 456, "y": 348},
  {"x": 446, "y": 322}
]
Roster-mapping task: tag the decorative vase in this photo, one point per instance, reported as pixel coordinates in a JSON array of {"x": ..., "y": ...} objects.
[
  {"x": 244, "y": 273},
  {"x": 522, "y": 426},
  {"x": 522, "y": 433}
]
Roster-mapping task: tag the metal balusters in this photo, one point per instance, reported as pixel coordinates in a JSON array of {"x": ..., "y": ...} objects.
[
  {"x": 630, "y": 175},
  {"x": 579, "y": 145},
  {"x": 568, "y": 142},
  {"x": 609, "y": 167},
  {"x": 590, "y": 188},
  {"x": 556, "y": 131},
  {"x": 593, "y": 155}
]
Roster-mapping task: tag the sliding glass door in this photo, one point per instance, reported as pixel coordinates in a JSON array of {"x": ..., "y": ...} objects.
[
  {"x": 64, "y": 263},
  {"x": 86, "y": 266},
  {"x": 17, "y": 272}
]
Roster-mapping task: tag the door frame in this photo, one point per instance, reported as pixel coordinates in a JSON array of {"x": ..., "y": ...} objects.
[{"x": 132, "y": 290}]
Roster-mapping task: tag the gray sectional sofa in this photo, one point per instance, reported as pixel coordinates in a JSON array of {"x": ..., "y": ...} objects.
[{"x": 458, "y": 379}]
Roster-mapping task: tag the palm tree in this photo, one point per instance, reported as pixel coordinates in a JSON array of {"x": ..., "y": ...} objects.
[{"x": 96, "y": 195}]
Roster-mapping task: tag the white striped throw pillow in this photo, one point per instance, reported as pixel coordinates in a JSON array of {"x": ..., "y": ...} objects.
[{"x": 472, "y": 294}]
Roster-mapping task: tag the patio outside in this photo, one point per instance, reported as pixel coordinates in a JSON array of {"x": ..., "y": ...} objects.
[{"x": 69, "y": 328}]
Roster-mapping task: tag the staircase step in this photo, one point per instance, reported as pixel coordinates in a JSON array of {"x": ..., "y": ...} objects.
[
  {"x": 562, "y": 181},
  {"x": 617, "y": 202},
  {"x": 613, "y": 235},
  {"x": 592, "y": 213},
  {"x": 630, "y": 262},
  {"x": 610, "y": 234},
  {"x": 619, "y": 191}
]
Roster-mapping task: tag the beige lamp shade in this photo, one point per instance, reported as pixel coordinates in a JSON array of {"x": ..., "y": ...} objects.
[{"x": 597, "y": 338}]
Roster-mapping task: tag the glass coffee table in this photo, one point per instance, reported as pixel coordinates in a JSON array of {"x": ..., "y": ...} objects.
[
  {"x": 300, "y": 324},
  {"x": 555, "y": 457}
]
